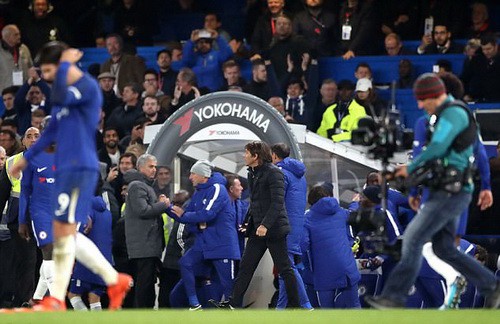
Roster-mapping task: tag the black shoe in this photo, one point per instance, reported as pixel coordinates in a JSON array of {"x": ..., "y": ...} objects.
[
  {"x": 379, "y": 302},
  {"x": 222, "y": 305},
  {"x": 493, "y": 299}
]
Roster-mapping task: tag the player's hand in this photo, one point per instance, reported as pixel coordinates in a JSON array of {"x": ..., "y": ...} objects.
[
  {"x": 196, "y": 92},
  {"x": 33, "y": 75},
  {"x": 414, "y": 202},
  {"x": 71, "y": 55},
  {"x": 261, "y": 230},
  {"x": 20, "y": 165},
  {"x": 177, "y": 92},
  {"x": 24, "y": 232},
  {"x": 162, "y": 198},
  {"x": 485, "y": 199},
  {"x": 113, "y": 173},
  {"x": 194, "y": 35},
  {"x": 348, "y": 55},
  {"x": 178, "y": 211}
]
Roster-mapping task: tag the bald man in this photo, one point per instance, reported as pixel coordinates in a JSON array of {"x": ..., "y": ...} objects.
[{"x": 15, "y": 58}]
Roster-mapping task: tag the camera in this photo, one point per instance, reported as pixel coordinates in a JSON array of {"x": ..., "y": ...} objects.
[{"x": 384, "y": 136}]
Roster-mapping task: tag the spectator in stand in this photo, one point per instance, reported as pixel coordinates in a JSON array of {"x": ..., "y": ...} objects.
[
  {"x": 34, "y": 94},
  {"x": 443, "y": 66},
  {"x": 137, "y": 134},
  {"x": 363, "y": 71},
  {"x": 9, "y": 142},
  {"x": 185, "y": 89},
  {"x": 11, "y": 125},
  {"x": 357, "y": 30},
  {"x": 41, "y": 25},
  {"x": 176, "y": 48},
  {"x": 439, "y": 43},
  {"x": 8, "y": 95},
  {"x": 213, "y": 22},
  {"x": 394, "y": 46},
  {"x": 232, "y": 75},
  {"x": 110, "y": 100},
  {"x": 152, "y": 88},
  {"x": 482, "y": 76},
  {"x": 166, "y": 75},
  {"x": 265, "y": 27},
  {"x": 471, "y": 50},
  {"x": 124, "y": 116},
  {"x": 279, "y": 105},
  {"x": 125, "y": 67},
  {"x": 368, "y": 98},
  {"x": 406, "y": 77},
  {"x": 15, "y": 58},
  {"x": 136, "y": 149},
  {"x": 37, "y": 118},
  {"x": 151, "y": 108},
  {"x": 284, "y": 47},
  {"x": 264, "y": 84},
  {"x": 317, "y": 25},
  {"x": 3, "y": 157},
  {"x": 342, "y": 117},
  {"x": 162, "y": 181},
  {"x": 127, "y": 162},
  {"x": 111, "y": 152},
  {"x": 480, "y": 24},
  {"x": 144, "y": 230},
  {"x": 135, "y": 22},
  {"x": 328, "y": 94}
]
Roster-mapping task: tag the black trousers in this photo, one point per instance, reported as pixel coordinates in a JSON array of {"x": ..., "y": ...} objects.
[
  {"x": 25, "y": 267},
  {"x": 145, "y": 278},
  {"x": 168, "y": 279},
  {"x": 7, "y": 273},
  {"x": 254, "y": 250}
]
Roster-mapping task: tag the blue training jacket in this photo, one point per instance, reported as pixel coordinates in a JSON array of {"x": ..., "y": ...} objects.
[
  {"x": 295, "y": 200},
  {"x": 211, "y": 204},
  {"x": 325, "y": 239}
]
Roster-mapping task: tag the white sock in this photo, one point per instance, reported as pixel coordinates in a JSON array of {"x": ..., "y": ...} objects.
[
  {"x": 48, "y": 273},
  {"x": 64, "y": 259},
  {"x": 89, "y": 255},
  {"x": 41, "y": 287},
  {"x": 96, "y": 306},
  {"x": 78, "y": 303},
  {"x": 444, "y": 269}
]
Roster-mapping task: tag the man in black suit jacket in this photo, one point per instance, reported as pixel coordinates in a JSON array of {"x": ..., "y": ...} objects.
[{"x": 439, "y": 43}]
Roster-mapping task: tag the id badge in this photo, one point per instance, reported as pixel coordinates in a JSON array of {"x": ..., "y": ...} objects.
[
  {"x": 346, "y": 32},
  {"x": 17, "y": 78}
]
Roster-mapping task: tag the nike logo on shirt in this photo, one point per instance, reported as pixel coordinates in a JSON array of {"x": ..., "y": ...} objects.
[{"x": 40, "y": 169}]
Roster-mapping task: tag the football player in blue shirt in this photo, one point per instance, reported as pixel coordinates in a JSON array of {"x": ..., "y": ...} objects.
[
  {"x": 37, "y": 184},
  {"x": 76, "y": 100}
]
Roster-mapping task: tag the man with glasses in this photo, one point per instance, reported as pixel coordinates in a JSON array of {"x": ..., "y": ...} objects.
[{"x": 439, "y": 42}]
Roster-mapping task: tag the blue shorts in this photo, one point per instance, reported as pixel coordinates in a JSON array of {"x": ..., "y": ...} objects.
[
  {"x": 42, "y": 229},
  {"x": 72, "y": 197},
  {"x": 80, "y": 287}
]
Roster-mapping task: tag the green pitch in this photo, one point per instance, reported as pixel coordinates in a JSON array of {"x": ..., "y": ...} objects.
[{"x": 260, "y": 316}]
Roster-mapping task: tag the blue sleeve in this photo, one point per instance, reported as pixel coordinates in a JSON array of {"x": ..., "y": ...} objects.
[
  {"x": 397, "y": 199},
  {"x": 46, "y": 139},
  {"x": 188, "y": 56},
  {"x": 209, "y": 211},
  {"x": 62, "y": 94},
  {"x": 26, "y": 190},
  {"x": 451, "y": 123},
  {"x": 20, "y": 98},
  {"x": 419, "y": 135},
  {"x": 483, "y": 164},
  {"x": 353, "y": 206},
  {"x": 305, "y": 243},
  {"x": 225, "y": 51}
]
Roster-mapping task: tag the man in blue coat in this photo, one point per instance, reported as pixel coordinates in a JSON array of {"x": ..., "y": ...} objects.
[
  {"x": 295, "y": 204},
  {"x": 211, "y": 216},
  {"x": 332, "y": 262}
]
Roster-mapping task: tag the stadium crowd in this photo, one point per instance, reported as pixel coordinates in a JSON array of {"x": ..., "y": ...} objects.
[{"x": 174, "y": 239}]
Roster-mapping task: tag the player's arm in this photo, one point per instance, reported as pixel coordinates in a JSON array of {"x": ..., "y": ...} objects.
[
  {"x": 24, "y": 197},
  {"x": 63, "y": 94}
]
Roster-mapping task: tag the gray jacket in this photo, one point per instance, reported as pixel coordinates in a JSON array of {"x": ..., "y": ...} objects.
[
  {"x": 7, "y": 65},
  {"x": 143, "y": 222}
]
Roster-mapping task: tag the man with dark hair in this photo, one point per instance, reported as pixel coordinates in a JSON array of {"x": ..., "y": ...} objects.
[
  {"x": 363, "y": 71},
  {"x": 151, "y": 108},
  {"x": 110, "y": 153},
  {"x": 166, "y": 75},
  {"x": 213, "y": 22},
  {"x": 127, "y": 162},
  {"x": 162, "y": 180},
  {"x": 124, "y": 116},
  {"x": 8, "y": 95},
  {"x": 482, "y": 75},
  {"x": 151, "y": 87},
  {"x": 125, "y": 67},
  {"x": 267, "y": 224},
  {"x": 77, "y": 102},
  {"x": 439, "y": 43},
  {"x": 295, "y": 204},
  {"x": 185, "y": 89},
  {"x": 110, "y": 100},
  {"x": 264, "y": 84},
  {"x": 9, "y": 142}
]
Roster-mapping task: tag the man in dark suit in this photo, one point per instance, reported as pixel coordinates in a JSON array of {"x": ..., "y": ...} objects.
[{"x": 439, "y": 42}]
